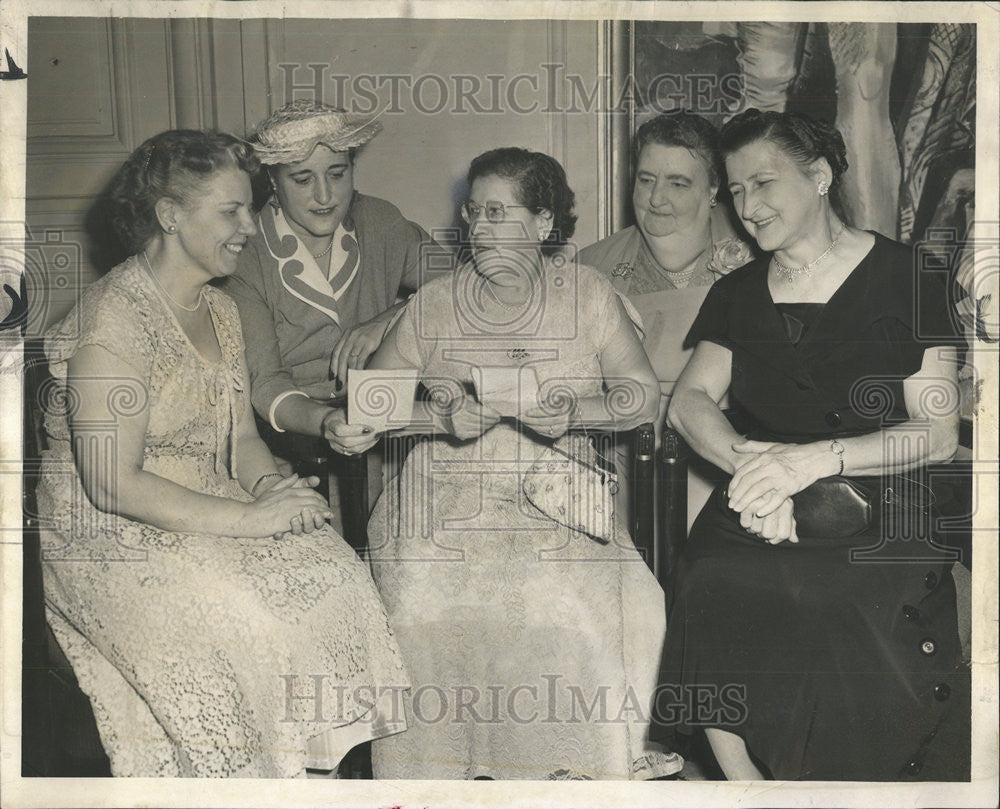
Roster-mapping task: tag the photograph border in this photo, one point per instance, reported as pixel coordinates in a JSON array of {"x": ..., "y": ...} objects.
[{"x": 16, "y": 791}]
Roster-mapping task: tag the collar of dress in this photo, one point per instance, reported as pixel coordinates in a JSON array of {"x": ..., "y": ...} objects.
[{"x": 299, "y": 272}]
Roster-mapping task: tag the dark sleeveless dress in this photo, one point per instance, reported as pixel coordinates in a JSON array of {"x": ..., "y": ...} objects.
[{"x": 834, "y": 659}]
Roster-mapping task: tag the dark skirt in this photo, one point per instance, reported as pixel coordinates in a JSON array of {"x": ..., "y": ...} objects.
[{"x": 831, "y": 664}]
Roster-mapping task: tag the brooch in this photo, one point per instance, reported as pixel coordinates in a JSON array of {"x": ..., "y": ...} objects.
[{"x": 622, "y": 270}]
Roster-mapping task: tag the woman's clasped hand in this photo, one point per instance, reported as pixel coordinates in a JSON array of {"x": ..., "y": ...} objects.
[
  {"x": 288, "y": 505},
  {"x": 765, "y": 481}
]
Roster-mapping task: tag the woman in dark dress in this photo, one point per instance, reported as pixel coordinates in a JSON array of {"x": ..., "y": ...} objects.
[{"x": 829, "y": 640}]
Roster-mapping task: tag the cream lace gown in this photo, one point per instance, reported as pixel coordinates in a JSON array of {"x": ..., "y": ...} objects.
[
  {"x": 201, "y": 655},
  {"x": 533, "y": 649}
]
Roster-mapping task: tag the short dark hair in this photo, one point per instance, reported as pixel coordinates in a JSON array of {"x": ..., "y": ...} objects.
[
  {"x": 171, "y": 165},
  {"x": 681, "y": 128},
  {"x": 540, "y": 184},
  {"x": 805, "y": 140}
]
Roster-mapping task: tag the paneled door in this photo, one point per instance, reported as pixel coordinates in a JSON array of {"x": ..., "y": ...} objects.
[{"x": 98, "y": 88}]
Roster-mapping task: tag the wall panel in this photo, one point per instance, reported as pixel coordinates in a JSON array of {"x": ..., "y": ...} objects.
[{"x": 98, "y": 88}]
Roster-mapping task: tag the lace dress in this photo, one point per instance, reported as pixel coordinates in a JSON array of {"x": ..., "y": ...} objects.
[
  {"x": 533, "y": 649},
  {"x": 202, "y": 655}
]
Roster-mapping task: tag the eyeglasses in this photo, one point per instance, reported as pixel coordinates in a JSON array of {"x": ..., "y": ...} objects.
[{"x": 495, "y": 211}]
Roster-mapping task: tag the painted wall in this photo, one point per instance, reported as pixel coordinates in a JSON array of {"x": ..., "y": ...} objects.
[{"x": 449, "y": 90}]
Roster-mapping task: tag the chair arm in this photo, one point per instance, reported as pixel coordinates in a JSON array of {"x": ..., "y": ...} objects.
[
  {"x": 672, "y": 502},
  {"x": 642, "y": 508}
]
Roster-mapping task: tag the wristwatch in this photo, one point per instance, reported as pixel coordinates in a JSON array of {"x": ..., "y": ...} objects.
[{"x": 838, "y": 449}]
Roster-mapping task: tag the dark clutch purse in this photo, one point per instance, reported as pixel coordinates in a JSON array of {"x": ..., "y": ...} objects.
[{"x": 832, "y": 507}]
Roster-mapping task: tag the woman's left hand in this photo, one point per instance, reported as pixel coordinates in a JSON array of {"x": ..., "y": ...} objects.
[
  {"x": 347, "y": 439},
  {"x": 776, "y": 527},
  {"x": 308, "y": 520},
  {"x": 775, "y": 472},
  {"x": 357, "y": 344}
]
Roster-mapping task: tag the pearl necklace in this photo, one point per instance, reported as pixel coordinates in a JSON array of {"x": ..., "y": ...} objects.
[
  {"x": 329, "y": 247},
  {"x": 790, "y": 273},
  {"x": 681, "y": 279},
  {"x": 171, "y": 298}
]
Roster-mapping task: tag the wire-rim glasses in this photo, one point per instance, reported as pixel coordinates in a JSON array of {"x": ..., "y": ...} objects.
[{"x": 495, "y": 211}]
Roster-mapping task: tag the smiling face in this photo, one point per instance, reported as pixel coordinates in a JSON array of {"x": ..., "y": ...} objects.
[
  {"x": 774, "y": 196},
  {"x": 315, "y": 194},
  {"x": 672, "y": 191},
  {"x": 213, "y": 225}
]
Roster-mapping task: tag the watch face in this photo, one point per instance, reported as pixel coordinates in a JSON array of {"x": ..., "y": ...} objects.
[{"x": 837, "y": 447}]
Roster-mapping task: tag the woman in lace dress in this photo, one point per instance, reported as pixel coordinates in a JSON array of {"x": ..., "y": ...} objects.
[
  {"x": 533, "y": 648},
  {"x": 217, "y": 625}
]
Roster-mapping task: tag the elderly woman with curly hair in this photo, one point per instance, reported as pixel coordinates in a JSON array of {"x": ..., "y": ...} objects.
[
  {"x": 682, "y": 242},
  {"x": 532, "y": 647}
]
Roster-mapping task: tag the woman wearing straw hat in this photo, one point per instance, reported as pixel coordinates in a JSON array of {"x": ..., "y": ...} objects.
[{"x": 317, "y": 285}]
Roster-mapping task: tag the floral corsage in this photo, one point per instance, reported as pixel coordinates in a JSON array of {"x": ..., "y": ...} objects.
[{"x": 728, "y": 255}]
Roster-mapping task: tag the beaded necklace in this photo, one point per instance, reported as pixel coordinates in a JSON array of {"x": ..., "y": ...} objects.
[
  {"x": 171, "y": 298},
  {"x": 789, "y": 274}
]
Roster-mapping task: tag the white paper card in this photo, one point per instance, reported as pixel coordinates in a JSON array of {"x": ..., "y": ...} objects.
[
  {"x": 509, "y": 391},
  {"x": 381, "y": 399}
]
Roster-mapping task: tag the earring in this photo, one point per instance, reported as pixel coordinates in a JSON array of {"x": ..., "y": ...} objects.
[
  {"x": 171, "y": 229},
  {"x": 712, "y": 202},
  {"x": 823, "y": 188}
]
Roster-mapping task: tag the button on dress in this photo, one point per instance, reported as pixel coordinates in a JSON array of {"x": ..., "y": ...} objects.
[{"x": 838, "y": 648}]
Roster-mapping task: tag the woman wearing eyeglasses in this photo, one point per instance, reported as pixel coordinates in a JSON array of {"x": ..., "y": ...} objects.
[{"x": 532, "y": 647}]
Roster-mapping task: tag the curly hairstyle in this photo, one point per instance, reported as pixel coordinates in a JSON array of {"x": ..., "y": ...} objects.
[
  {"x": 682, "y": 128},
  {"x": 171, "y": 165},
  {"x": 805, "y": 140},
  {"x": 539, "y": 183}
]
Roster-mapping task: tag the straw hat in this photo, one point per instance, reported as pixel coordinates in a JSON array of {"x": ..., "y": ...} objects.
[{"x": 290, "y": 134}]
